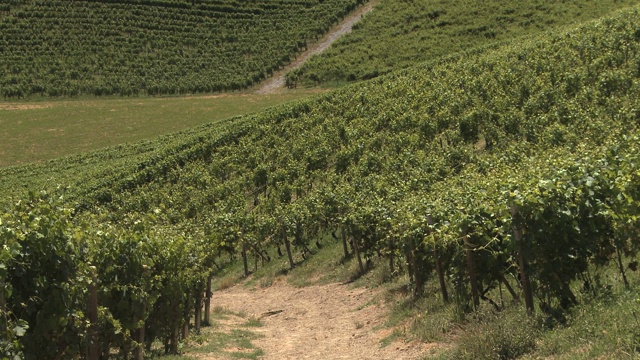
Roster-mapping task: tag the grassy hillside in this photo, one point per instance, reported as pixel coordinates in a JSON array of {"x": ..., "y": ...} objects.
[
  {"x": 399, "y": 34},
  {"x": 513, "y": 169},
  {"x": 37, "y": 131},
  {"x": 66, "y": 48}
]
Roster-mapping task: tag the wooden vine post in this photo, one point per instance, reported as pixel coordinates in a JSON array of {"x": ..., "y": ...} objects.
[
  {"x": 418, "y": 276},
  {"x": 356, "y": 249},
  {"x": 390, "y": 247},
  {"x": 343, "y": 237},
  {"x": 244, "y": 258},
  {"x": 621, "y": 268},
  {"x": 287, "y": 245},
  {"x": 174, "y": 340},
  {"x": 138, "y": 352},
  {"x": 471, "y": 269},
  {"x": 522, "y": 264},
  {"x": 198, "y": 310},
  {"x": 504, "y": 281},
  {"x": 185, "y": 328},
  {"x": 245, "y": 262},
  {"x": 207, "y": 302},
  {"x": 439, "y": 271}
]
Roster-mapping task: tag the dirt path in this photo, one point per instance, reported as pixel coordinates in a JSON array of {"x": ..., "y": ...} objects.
[
  {"x": 277, "y": 81},
  {"x": 317, "y": 322}
]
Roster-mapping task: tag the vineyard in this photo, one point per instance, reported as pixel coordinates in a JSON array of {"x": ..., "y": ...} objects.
[
  {"x": 68, "y": 48},
  {"x": 514, "y": 166},
  {"x": 399, "y": 34}
]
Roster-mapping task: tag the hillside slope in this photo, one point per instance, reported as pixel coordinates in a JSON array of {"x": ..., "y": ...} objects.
[
  {"x": 67, "y": 48},
  {"x": 514, "y": 167},
  {"x": 399, "y": 34}
]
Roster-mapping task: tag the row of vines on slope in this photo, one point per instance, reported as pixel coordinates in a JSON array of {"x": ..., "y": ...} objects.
[
  {"x": 399, "y": 34},
  {"x": 67, "y": 48},
  {"x": 77, "y": 287},
  {"x": 515, "y": 168}
]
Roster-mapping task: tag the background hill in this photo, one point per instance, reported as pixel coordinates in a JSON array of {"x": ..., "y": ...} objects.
[
  {"x": 67, "y": 48},
  {"x": 399, "y": 33}
]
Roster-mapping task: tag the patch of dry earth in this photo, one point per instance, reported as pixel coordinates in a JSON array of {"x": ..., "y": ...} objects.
[
  {"x": 23, "y": 106},
  {"x": 331, "y": 321}
]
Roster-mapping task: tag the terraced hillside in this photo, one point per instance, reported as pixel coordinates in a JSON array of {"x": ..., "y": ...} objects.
[
  {"x": 514, "y": 166},
  {"x": 399, "y": 34},
  {"x": 67, "y": 48}
]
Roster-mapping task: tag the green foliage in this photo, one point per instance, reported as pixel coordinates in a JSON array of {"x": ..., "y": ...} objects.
[
  {"x": 141, "y": 278},
  {"x": 398, "y": 33},
  {"x": 43, "y": 278},
  {"x": 68, "y": 48},
  {"x": 520, "y": 163}
]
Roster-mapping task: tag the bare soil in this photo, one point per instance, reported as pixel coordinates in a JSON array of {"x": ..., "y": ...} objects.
[
  {"x": 277, "y": 81},
  {"x": 23, "y": 106},
  {"x": 331, "y": 321}
]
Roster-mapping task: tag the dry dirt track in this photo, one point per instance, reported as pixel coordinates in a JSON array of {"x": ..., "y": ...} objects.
[
  {"x": 277, "y": 81},
  {"x": 317, "y": 322}
]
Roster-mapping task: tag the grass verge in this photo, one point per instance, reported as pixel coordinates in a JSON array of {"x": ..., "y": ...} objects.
[{"x": 228, "y": 337}]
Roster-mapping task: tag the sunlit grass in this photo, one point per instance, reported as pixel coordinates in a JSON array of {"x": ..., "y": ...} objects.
[{"x": 35, "y": 131}]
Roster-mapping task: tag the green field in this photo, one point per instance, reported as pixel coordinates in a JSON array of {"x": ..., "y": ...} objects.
[{"x": 36, "y": 131}]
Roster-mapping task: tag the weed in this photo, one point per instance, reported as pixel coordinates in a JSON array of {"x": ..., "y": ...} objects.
[
  {"x": 227, "y": 282},
  {"x": 382, "y": 274},
  {"x": 174, "y": 357},
  {"x": 234, "y": 343},
  {"x": 265, "y": 283},
  {"x": 433, "y": 327},
  {"x": 508, "y": 335},
  {"x": 253, "y": 322},
  {"x": 388, "y": 340}
]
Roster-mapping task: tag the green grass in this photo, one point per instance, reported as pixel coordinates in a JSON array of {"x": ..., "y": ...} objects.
[
  {"x": 222, "y": 341},
  {"x": 605, "y": 325},
  {"x": 253, "y": 322},
  {"x": 174, "y": 357},
  {"x": 36, "y": 131},
  {"x": 235, "y": 344}
]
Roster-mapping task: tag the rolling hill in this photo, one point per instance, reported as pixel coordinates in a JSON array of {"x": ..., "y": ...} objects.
[
  {"x": 401, "y": 33},
  {"x": 510, "y": 166},
  {"x": 69, "y": 48}
]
